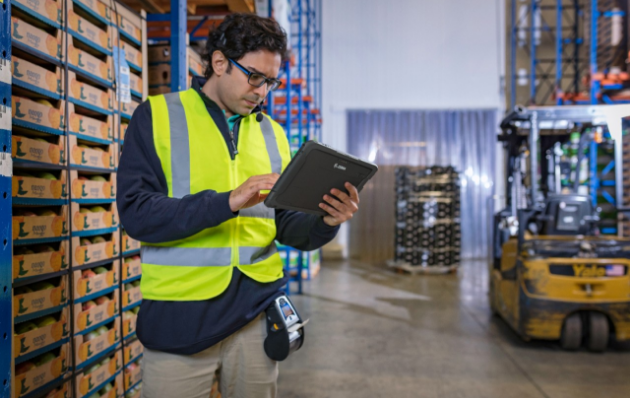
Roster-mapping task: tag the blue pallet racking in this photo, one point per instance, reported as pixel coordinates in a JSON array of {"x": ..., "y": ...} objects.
[
  {"x": 575, "y": 30},
  {"x": 296, "y": 105},
  {"x": 6, "y": 171}
]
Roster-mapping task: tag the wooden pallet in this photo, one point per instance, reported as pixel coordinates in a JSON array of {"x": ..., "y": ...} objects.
[{"x": 402, "y": 267}]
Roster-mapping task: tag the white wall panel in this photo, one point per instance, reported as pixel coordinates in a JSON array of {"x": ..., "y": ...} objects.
[{"x": 408, "y": 54}]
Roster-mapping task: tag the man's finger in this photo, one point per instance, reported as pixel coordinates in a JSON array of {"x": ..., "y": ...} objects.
[
  {"x": 347, "y": 200},
  {"x": 339, "y": 206},
  {"x": 354, "y": 193},
  {"x": 330, "y": 210}
]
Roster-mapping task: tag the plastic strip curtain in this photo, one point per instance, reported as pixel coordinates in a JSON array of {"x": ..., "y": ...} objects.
[{"x": 465, "y": 139}]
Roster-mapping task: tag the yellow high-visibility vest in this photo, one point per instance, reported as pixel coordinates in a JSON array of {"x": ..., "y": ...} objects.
[{"x": 195, "y": 157}]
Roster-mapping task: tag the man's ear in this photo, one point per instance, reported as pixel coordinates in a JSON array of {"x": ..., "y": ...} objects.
[{"x": 219, "y": 63}]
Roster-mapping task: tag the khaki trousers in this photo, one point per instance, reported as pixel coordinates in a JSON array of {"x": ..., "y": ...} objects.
[{"x": 245, "y": 371}]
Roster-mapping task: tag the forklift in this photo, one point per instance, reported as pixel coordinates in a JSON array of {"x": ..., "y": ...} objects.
[{"x": 556, "y": 271}]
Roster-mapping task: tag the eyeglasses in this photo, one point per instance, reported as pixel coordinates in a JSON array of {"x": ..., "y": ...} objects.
[{"x": 257, "y": 79}]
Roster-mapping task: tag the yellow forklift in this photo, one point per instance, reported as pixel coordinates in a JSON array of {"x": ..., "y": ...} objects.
[{"x": 554, "y": 274}]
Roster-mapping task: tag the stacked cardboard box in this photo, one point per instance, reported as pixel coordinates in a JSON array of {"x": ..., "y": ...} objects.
[{"x": 69, "y": 282}]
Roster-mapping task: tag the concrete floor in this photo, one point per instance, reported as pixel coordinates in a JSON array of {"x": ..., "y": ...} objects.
[{"x": 375, "y": 333}]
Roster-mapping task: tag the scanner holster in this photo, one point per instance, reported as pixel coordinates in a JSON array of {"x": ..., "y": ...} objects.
[{"x": 282, "y": 340}]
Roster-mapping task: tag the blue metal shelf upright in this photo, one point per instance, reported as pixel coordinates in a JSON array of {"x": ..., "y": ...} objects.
[
  {"x": 297, "y": 103},
  {"x": 6, "y": 170},
  {"x": 560, "y": 50}
]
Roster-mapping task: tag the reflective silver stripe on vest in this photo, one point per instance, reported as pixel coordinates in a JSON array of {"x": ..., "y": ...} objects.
[
  {"x": 186, "y": 256},
  {"x": 180, "y": 148},
  {"x": 258, "y": 211},
  {"x": 249, "y": 255},
  {"x": 272, "y": 145}
]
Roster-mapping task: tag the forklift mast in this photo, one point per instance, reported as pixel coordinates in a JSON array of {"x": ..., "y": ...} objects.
[{"x": 532, "y": 138}]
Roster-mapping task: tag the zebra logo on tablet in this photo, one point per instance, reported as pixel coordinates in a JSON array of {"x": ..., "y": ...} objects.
[{"x": 340, "y": 167}]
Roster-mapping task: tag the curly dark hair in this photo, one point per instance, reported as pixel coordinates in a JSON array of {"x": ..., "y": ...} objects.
[{"x": 242, "y": 33}]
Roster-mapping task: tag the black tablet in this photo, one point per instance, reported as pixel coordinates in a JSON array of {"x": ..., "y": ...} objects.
[{"x": 312, "y": 173}]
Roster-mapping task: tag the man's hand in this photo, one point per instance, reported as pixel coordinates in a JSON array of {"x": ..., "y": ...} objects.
[
  {"x": 340, "y": 211},
  {"x": 248, "y": 194}
]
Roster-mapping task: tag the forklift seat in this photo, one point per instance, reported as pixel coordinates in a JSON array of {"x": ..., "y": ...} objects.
[{"x": 567, "y": 214}]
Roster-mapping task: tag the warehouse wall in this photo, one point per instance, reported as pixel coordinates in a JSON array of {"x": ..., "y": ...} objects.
[{"x": 409, "y": 54}]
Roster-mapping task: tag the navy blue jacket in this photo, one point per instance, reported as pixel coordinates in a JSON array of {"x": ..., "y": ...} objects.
[{"x": 149, "y": 215}]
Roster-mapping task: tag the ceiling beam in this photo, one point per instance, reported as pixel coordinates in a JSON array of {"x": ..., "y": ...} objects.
[
  {"x": 240, "y": 5},
  {"x": 152, "y": 7}
]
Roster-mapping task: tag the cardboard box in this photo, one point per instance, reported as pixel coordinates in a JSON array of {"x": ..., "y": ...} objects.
[
  {"x": 27, "y": 148},
  {"x": 43, "y": 336},
  {"x": 86, "y": 350},
  {"x": 162, "y": 54},
  {"x": 131, "y": 295},
  {"x": 89, "y": 96},
  {"x": 88, "y": 286},
  {"x": 159, "y": 54},
  {"x": 130, "y": 108},
  {"x": 27, "y": 265},
  {"x": 40, "y": 188},
  {"x": 86, "y": 383},
  {"x": 132, "y": 55},
  {"x": 81, "y": 125},
  {"x": 135, "y": 83},
  {"x": 35, "y": 77},
  {"x": 40, "y": 300},
  {"x": 44, "y": 373},
  {"x": 195, "y": 63},
  {"x": 98, "y": 7},
  {"x": 129, "y": 323},
  {"x": 102, "y": 69},
  {"x": 133, "y": 31},
  {"x": 37, "y": 116},
  {"x": 133, "y": 374},
  {"x": 35, "y": 38},
  {"x": 88, "y": 33},
  {"x": 131, "y": 16},
  {"x": 94, "y": 220},
  {"x": 137, "y": 393},
  {"x": 95, "y": 251},
  {"x": 89, "y": 189},
  {"x": 132, "y": 351},
  {"x": 40, "y": 227},
  {"x": 61, "y": 392},
  {"x": 92, "y": 156},
  {"x": 123, "y": 130},
  {"x": 119, "y": 388},
  {"x": 132, "y": 267},
  {"x": 85, "y": 319},
  {"x": 159, "y": 75},
  {"x": 48, "y": 10}
]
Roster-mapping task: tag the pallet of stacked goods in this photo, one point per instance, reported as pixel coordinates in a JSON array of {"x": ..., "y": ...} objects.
[
  {"x": 160, "y": 68},
  {"x": 102, "y": 378},
  {"x": 130, "y": 36},
  {"x": 40, "y": 200},
  {"x": 428, "y": 233}
]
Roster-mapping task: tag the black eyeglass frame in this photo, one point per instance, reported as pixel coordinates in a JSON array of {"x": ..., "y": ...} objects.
[{"x": 272, "y": 84}]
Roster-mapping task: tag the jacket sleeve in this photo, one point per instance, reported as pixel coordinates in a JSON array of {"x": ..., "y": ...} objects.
[
  {"x": 303, "y": 231},
  {"x": 146, "y": 212},
  {"x": 299, "y": 230}
]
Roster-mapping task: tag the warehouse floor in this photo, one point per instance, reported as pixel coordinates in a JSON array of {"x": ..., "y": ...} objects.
[{"x": 374, "y": 333}]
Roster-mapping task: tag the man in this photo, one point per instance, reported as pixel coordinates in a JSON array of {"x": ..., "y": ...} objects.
[{"x": 189, "y": 187}]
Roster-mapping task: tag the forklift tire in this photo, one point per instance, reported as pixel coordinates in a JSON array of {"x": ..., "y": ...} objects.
[
  {"x": 598, "y": 332},
  {"x": 571, "y": 337}
]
